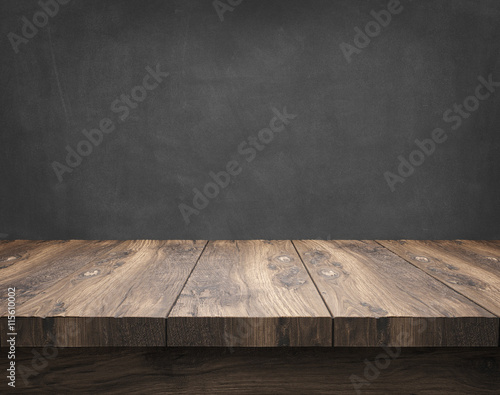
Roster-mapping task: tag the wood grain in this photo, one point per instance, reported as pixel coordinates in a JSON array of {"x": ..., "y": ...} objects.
[
  {"x": 469, "y": 267},
  {"x": 252, "y": 293},
  {"x": 249, "y": 293},
  {"x": 208, "y": 370},
  {"x": 378, "y": 298},
  {"x": 121, "y": 297},
  {"x": 33, "y": 266},
  {"x": 9, "y": 249}
]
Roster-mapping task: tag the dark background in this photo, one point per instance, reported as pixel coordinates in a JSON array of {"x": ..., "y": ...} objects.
[{"x": 321, "y": 178}]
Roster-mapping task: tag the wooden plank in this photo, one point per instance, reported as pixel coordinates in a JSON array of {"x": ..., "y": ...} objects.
[
  {"x": 378, "y": 298},
  {"x": 34, "y": 266},
  {"x": 208, "y": 370},
  {"x": 88, "y": 331},
  {"x": 493, "y": 243},
  {"x": 30, "y": 266},
  {"x": 471, "y": 268},
  {"x": 9, "y": 249},
  {"x": 249, "y": 293},
  {"x": 16, "y": 251},
  {"x": 120, "y": 298},
  {"x": 482, "y": 251}
]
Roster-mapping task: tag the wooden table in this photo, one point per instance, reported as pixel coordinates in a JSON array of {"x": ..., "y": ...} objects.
[{"x": 327, "y": 297}]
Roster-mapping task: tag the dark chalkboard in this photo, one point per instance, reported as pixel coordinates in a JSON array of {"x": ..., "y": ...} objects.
[{"x": 172, "y": 119}]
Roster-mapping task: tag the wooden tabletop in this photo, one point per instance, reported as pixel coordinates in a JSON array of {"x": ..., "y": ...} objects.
[{"x": 252, "y": 293}]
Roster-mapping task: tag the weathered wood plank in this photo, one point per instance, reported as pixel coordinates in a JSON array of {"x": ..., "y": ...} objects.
[
  {"x": 259, "y": 371},
  {"x": 485, "y": 252},
  {"x": 378, "y": 298},
  {"x": 249, "y": 293},
  {"x": 118, "y": 298},
  {"x": 33, "y": 266},
  {"x": 471, "y": 268},
  {"x": 95, "y": 331},
  {"x": 9, "y": 249}
]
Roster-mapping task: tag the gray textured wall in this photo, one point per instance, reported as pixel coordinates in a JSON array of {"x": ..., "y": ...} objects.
[{"x": 330, "y": 169}]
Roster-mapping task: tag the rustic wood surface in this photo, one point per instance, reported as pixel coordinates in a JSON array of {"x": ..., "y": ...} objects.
[
  {"x": 469, "y": 267},
  {"x": 208, "y": 370},
  {"x": 378, "y": 298},
  {"x": 249, "y": 293},
  {"x": 252, "y": 293},
  {"x": 121, "y": 297},
  {"x": 32, "y": 267}
]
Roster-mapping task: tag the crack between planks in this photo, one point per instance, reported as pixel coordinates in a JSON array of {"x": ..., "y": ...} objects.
[
  {"x": 185, "y": 282},
  {"x": 312, "y": 279},
  {"x": 442, "y": 282},
  {"x": 435, "y": 278},
  {"x": 319, "y": 292}
]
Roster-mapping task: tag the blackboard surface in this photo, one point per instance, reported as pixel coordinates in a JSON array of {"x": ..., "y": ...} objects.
[{"x": 306, "y": 113}]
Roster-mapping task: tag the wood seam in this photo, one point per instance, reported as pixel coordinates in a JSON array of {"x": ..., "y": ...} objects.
[
  {"x": 185, "y": 282},
  {"x": 436, "y": 278},
  {"x": 319, "y": 292},
  {"x": 312, "y": 279}
]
